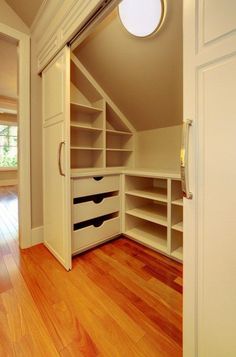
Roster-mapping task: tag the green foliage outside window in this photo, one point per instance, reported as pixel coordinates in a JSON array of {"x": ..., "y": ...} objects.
[{"x": 8, "y": 146}]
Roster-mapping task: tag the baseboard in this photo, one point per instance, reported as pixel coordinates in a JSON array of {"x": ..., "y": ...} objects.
[
  {"x": 11, "y": 182},
  {"x": 37, "y": 235}
]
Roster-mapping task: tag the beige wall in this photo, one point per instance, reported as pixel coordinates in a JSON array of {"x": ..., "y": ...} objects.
[
  {"x": 142, "y": 76},
  {"x": 8, "y": 68},
  {"x": 10, "y": 18},
  {"x": 36, "y": 142},
  {"x": 159, "y": 148}
]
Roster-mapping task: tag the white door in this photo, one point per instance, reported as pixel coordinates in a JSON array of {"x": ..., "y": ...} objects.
[
  {"x": 210, "y": 217},
  {"x": 56, "y": 157}
]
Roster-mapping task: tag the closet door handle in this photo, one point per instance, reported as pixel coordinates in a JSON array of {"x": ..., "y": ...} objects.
[
  {"x": 59, "y": 158},
  {"x": 184, "y": 160}
]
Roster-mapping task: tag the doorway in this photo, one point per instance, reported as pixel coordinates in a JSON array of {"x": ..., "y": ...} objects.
[
  {"x": 8, "y": 140},
  {"x": 21, "y": 109}
]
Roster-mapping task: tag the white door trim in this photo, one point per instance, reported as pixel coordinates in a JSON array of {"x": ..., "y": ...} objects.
[{"x": 24, "y": 183}]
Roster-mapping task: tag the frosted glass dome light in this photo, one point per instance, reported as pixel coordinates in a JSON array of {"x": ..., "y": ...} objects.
[{"x": 141, "y": 18}]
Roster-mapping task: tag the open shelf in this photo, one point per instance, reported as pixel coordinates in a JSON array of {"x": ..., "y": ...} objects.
[
  {"x": 82, "y": 90},
  {"x": 121, "y": 141},
  {"x": 118, "y": 132},
  {"x": 87, "y": 138},
  {"x": 114, "y": 122},
  {"x": 117, "y": 158},
  {"x": 178, "y": 227},
  {"x": 178, "y": 202},
  {"x": 84, "y": 148},
  {"x": 152, "y": 193},
  {"x": 77, "y": 126},
  {"x": 153, "y": 213},
  {"x": 153, "y": 207},
  {"x": 178, "y": 253},
  {"x": 177, "y": 245},
  {"x": 124, "y": 150},
  {"x": 151, "y": 235},
  {"x": 97, "y": 124},
  {"x": 81, "y": 108},
  {"x": 85, "y": 158}
]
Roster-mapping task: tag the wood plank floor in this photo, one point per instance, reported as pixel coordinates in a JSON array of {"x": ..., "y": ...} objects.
[{"x": 120, "y": 299}]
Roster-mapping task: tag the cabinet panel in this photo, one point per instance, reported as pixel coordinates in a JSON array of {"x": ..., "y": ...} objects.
[
  {"x": 93, "y": 185},
  {"x": 218, "y": 18},
  {"x": 92, "y": 208},
  {"x": 217, "y": 175},
  {"x": 56, "y": 158},
  {"x": 91, "y": 235}
]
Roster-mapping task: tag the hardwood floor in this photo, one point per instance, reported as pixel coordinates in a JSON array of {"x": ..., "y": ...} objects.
[{"x": 120, "y": 299}]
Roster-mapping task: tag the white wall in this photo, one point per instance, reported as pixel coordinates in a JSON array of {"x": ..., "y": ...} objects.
[{"x": 159, "y": 148}]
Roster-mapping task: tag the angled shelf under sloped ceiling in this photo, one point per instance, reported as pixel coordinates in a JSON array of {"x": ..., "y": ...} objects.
[{"x": 97, "y": 123}]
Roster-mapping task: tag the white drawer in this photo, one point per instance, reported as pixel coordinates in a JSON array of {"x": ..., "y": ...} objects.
[
  {"x": 90, "y": 236},
  {"x": 86, "y": 186},
  {"x": 88, "y": 210}
]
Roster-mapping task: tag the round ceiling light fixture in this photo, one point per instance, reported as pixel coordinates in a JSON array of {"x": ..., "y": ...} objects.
[{"x": 142, "y": 18}]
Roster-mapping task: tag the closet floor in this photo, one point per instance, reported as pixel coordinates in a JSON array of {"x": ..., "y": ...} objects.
[{"x": 120, "y": 299}]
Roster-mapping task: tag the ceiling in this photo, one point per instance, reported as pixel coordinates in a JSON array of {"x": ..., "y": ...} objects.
[
  {"x": 142, "y": 76},
  {"x": 25, "y": 9},
  {"x": 8, "y": 68}
]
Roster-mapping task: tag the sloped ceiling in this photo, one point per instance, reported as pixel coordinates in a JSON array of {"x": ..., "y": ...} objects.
[
  {"x": 26, "y": 9},
  {"x": 8, "y": 68},
  {"x": 142, "y": 76}
]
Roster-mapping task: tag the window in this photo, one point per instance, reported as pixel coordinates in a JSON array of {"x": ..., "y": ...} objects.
[
  {"x": 8, "y": 146},
  {"x": 142, "y": 18}
]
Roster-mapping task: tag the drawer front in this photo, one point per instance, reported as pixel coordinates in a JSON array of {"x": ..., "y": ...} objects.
[
  {"x": 87, "y": 237},
  {"x": 86, "y": 186},
  {"x": 88, "y": 210}
]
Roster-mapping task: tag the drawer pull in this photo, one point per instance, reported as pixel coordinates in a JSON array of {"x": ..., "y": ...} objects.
[
  {"x": 98, "y": 223},
  {"x": 98, "y": 199},
  {"x": 98, "y": 178}
]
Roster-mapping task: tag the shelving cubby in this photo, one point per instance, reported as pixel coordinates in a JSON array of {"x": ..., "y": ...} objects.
[
  {"x": 119, "y": 140},
  {"x": 176, "y": 245},
  {"x": 152, "y": 216},
  {"x": 150, "y": 234},
  {"x": 87, "y": 122},
  {"x": 146, "y": 217},
  {"x": 100, "y": 133}
]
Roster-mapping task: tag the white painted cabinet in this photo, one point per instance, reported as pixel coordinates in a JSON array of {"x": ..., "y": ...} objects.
[
  {"x": 56, "y": 157},
  {"x": 209, "y": 218}
]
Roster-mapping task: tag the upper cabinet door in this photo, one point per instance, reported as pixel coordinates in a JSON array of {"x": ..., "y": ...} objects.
[
  {"x": 56, "y": 157},
  {"x": 209, "y": 218}
]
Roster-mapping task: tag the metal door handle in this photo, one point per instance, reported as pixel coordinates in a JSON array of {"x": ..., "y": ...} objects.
[
  {"x": 59, "y": 158},
  {"x": 184, "y": 160}
]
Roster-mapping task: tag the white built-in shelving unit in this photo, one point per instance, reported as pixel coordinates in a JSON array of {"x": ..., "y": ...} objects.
[
  {"x": 101, "y": 135},
  {"x": 154, "y": 213},
  {"x": 150, "y": 207}
]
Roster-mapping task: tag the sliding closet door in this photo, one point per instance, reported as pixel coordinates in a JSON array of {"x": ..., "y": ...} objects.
[
  {"x": 56, "y": 157},
  {"x": 210, "y": 219}
]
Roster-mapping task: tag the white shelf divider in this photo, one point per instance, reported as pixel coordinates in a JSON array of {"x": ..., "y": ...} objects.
[
  {"x": 147, "y": 235},
  {"x": 178, "y": 253},
  {"x": 152, "y": 213},
  {"x": 153, "y": 193},
  {"x": 84, "y": 108},
  {"x": 178, "y": 227},
  {"x": 178, "y": 202}
]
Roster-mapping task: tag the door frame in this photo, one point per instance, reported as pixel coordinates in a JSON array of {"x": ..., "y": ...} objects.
[{"x": 23, "y": 111}]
